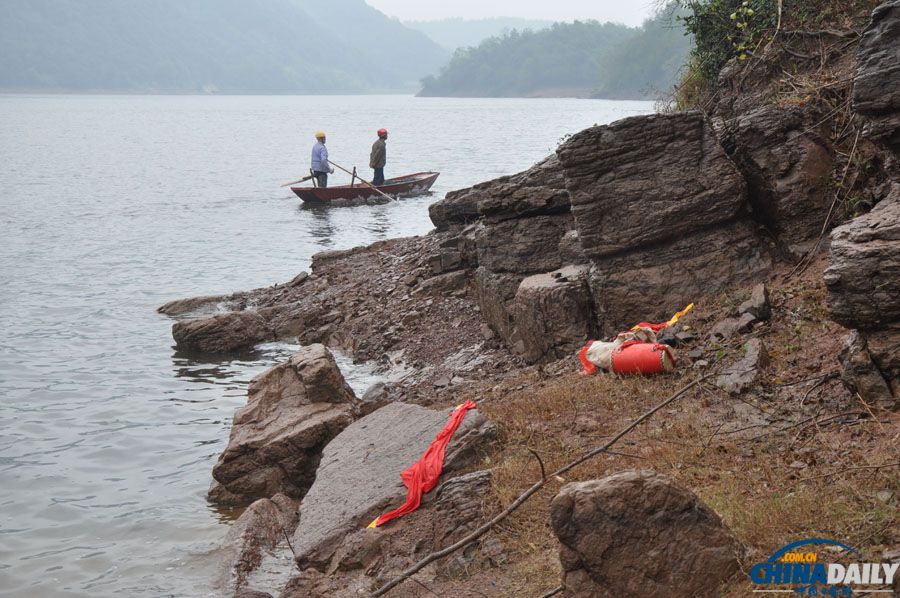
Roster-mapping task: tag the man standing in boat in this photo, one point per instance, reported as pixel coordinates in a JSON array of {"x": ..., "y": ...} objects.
[
  {"x": 379, "y": 157},
  {"x": 320, "y": 166}
]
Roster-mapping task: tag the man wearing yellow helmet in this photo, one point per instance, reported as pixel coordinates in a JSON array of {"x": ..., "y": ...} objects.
[{"x": 320, "y": 166}]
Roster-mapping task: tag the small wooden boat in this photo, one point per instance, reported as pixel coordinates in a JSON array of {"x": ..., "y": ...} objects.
[{"x": 410, "y": 184}]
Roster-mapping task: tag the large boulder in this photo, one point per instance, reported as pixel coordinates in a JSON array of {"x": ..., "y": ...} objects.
[
  {"x": 221, "y": 333},
  {"x": 876, "y": 87},
  {"x": 659, "y": 211},
  {"x": 787, "y": 165},
  {"x": 367, "y": 558},
  {"x": 359, "y": 474},
  {"x": 552, "y": 313},
  {"x": 293, "y": 410},
  {"x": 652, "y": 283},
  {"x": 639, "y": 533},
  {"x": 648, "y": 179},
  {"x": 863, "y": 276},
  {"x": 540, "y": 190}
]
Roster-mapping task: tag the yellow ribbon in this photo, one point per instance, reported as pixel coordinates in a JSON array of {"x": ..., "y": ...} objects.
[{"x": 677, "y": 316}]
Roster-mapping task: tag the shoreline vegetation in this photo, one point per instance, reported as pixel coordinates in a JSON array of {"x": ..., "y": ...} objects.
[{"x": 767, "y": 193}]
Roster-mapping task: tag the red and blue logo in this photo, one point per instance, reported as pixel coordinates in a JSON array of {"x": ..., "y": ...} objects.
[{"x": 805, "y": 572}]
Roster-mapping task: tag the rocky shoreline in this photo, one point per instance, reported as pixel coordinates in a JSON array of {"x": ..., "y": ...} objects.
[{"x": 626, "y": 222}]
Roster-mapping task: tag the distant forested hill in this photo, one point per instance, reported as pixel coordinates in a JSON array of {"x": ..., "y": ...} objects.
[
  {"x": 213, "y": 45},
  {"x": 563, "y": 56},
  {"x": 459, "y": 33},
  {"x": 647, "y": 62},
  {"x": 582, "y": 58}
]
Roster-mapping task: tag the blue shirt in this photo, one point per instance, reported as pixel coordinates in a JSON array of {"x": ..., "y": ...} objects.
[{"x": 320, "y": 158}]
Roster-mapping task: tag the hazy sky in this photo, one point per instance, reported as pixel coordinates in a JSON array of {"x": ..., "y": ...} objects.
[{"x": 630, "y": 12}]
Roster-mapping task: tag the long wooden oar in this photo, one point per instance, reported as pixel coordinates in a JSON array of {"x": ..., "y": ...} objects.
[
  {"x": 365, "y": 182},
  {"x": 306, "y": 178}
]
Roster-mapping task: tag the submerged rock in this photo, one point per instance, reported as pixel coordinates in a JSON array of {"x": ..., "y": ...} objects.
[
  {"x": 293, "y": 410},
  {"x": 359, "y": 474},
  {"x": 639, "y": 533}
]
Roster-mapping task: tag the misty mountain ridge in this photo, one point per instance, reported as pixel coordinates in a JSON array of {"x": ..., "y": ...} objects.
[{"x": 292, "y": 46}]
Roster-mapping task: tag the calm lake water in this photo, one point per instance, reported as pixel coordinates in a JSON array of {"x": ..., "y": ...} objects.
[{"x": 113, "y": 205}]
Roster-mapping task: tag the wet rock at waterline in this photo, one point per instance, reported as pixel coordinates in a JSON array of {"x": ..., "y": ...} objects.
[
  {"x": 293, "y": 410},
  {"x": 639, "y": 533},
  {"x": 221, "y": 333},
  {"x": 262, "y": 526}
]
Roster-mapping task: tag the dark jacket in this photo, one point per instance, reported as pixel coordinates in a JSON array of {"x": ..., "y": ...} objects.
[{"x": 379, "y": 154}]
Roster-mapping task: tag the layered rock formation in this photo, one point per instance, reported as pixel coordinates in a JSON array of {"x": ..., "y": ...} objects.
[
  {"x": 787, "y": 164},
  {"x": 540, "y": 190},
  {"x": 863, "y": 283},
  {"x": 638, "y": 533},
  {"x": 876, "y": 90},
  {"x": 653, "y": 197},
  {"x": 293, "y": 410}
]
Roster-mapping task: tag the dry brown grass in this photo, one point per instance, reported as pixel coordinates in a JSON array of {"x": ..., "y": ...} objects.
[{"x": 791, "y": 473}]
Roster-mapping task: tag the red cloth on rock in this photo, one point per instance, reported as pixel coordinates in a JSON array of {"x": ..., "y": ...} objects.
[{"x": 422, "y": 476}]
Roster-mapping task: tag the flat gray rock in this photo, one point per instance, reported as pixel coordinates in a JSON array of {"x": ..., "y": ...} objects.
[{"x": 359, "y": 474}]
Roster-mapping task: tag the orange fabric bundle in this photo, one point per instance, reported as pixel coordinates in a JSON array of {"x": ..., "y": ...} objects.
[{"x": 422, "y": 476}]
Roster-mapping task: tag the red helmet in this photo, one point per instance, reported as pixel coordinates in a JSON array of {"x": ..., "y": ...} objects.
[{"x": 382, "y": 132}]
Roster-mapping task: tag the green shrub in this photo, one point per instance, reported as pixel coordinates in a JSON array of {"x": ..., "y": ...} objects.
[{"x": 725, "y": 29}]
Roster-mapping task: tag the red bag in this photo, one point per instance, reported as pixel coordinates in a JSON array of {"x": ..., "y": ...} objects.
[{"x": 643, "y": 358}]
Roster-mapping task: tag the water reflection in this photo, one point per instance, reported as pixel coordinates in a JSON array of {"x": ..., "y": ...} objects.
[{"x": 321, "y": 228}]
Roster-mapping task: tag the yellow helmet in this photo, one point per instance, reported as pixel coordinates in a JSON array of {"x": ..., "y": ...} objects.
[{"x": 320, "y": 134}]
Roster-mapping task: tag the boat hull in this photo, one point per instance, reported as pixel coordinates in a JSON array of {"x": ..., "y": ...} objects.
[{"x": 411, "y": 184}]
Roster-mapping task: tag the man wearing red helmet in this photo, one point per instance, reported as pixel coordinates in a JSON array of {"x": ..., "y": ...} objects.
[{"x": 379, "y": 157}]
